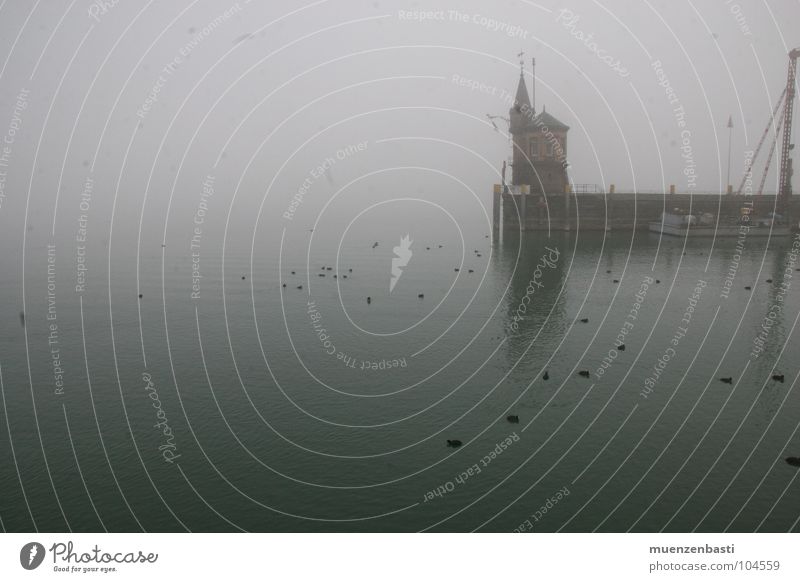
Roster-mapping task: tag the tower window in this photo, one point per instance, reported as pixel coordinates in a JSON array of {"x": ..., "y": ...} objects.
[{"x": 534, "y": 149}]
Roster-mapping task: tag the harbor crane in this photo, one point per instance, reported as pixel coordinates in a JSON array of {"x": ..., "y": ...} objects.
[
  {"x": 786, "y": 102},
  {"x": 785, "y": 181}
]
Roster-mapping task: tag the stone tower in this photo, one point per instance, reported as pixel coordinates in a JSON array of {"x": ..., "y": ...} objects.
[{"x": 540, "y": 146}]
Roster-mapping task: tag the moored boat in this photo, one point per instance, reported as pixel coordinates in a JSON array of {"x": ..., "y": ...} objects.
[{"x": 679, "y": 223}]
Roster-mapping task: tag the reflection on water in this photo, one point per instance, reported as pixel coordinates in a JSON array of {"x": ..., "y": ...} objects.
[{"x": 315, "y": 409}]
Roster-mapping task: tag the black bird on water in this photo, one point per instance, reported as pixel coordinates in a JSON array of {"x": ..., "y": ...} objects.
[
  {"x": 369, "y": 300},
  {"x": 513, "y": 419},
  {"x": 584, "y": 373},
  {"x": 22, "y": 318},
  {"x": 421, "y": 295},
  {"x": 374, "y": 245},
  {"x": 299, "y": 286},
  {"x": 748, "y": 287},
  {"x": 727, "y": 380},
  {"x": 793, "y": 461},
  {"x": 546, "y": 375},
  {"x": 453, "y": 443},
  {"x": 585, "y": 320},
  {"x": 778, "y": 378},
  {"x": 621, "y": 347}
]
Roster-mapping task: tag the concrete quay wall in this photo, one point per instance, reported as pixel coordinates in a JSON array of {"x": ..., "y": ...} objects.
[{"x": 621, "y": 210}]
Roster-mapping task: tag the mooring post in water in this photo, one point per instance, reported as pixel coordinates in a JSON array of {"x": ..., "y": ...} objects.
[
  {"x": 609, "y": 212},
  {"x": 523, "y": 197},
  {"x": 497, "y": 210},
  {"x": 497, "y": 201}
]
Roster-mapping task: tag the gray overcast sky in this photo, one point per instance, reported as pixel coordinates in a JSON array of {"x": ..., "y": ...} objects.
[{"x": 117, "y": 91}]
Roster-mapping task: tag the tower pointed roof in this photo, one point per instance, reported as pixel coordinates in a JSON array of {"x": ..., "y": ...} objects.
[{"x": 522, "y": 100}]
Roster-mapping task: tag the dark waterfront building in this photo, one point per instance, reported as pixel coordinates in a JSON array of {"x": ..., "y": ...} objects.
[
  {"x": 540, "y": 146},
  {"x": 540, "y": 195}
]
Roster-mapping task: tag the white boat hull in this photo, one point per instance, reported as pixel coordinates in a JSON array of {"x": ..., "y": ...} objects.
[{"x": 726, "y": 231}]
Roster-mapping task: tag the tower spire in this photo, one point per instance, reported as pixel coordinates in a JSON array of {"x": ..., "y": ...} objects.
[
  {"x": 521, "y": 100},
  {"x": 533, "y": 86}
]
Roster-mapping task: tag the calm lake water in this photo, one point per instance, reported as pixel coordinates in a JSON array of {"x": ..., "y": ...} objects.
[{"x": 253, "y": 406}]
